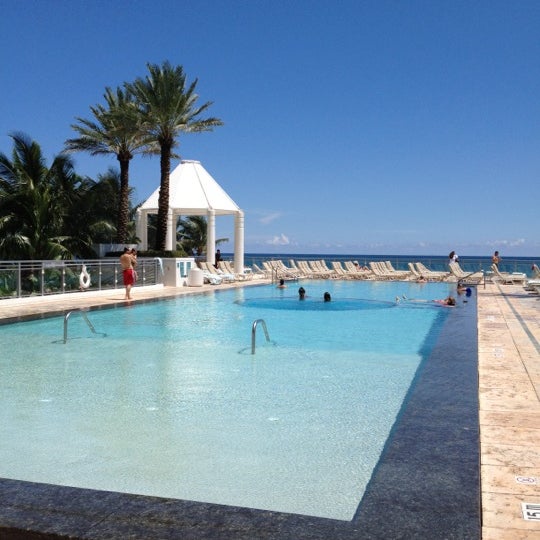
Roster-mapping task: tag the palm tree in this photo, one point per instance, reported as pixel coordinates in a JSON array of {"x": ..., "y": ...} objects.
[
  {"x": 34, "y": 201},
  {"x": 168, "y": 107},
  {"x": 192, "y": 234},
  {"x": 116, "y": 129},
  {"x": 93, "y": 219}
]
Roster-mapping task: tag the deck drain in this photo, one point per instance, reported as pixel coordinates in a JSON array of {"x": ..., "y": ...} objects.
[{"x": 529, "y": 480}]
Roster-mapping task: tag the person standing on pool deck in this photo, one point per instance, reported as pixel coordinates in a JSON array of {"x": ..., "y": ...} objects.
[
  {"x": 128, "y": 276},
  {"x": 134, "y": 264},
  {"x": 496, "y": 259}
]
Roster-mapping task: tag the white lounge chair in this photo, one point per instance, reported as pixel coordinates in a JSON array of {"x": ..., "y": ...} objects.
[
  {"x": 209, "y": 267},
  {"x": 431, "y": 274},
  {"x": 243, "y": 276},
  {"x": 397, "y": 274},
  {"x": 472, "y": 278},
  {"x": 213, "y": 279},
  {"x": 507, "y": 278},
  {"x": 357, "y": 272},
  {"x": 341, "y": 272}
]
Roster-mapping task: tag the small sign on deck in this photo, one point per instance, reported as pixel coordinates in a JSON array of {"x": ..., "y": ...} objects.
[{"x": 531, "y": 511}]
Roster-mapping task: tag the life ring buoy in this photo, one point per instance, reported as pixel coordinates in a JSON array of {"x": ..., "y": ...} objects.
[{"x": 84, "y": 278}]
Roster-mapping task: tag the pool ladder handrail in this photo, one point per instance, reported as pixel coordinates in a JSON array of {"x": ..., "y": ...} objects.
[
  {"x": 85, "y": 317},
  {"x": 254, "y": 331}
]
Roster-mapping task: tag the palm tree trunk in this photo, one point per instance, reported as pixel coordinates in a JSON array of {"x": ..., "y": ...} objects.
[
  {"x": 163, "y": 204},
  {"x": 123, "y": 203}
]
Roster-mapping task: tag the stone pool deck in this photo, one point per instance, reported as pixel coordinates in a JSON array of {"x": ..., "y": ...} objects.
[{"x": 509, "y": 393}]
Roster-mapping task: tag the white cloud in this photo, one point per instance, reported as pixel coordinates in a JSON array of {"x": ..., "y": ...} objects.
[
  {"x": 280, "y": 240},
  {"x": 268, "y": 218},
  {"x": 510, "y": 243}
]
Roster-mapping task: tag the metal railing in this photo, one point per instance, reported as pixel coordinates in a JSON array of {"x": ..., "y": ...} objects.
[
  {"x": 86, "y": 319},
  {"x": 254, "y": 332},
  {"x": 436, "y": 263},
  {"x": 19, "y": 279}
]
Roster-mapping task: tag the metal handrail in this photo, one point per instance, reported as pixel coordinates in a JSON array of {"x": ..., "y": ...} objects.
[
  {"x": 85, "y": 317},
  {"x": 254, "y": 331}
]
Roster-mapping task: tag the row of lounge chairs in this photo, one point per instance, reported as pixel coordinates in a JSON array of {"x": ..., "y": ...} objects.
[
  {"x": 224, "y": 274},
  {"x": 377, "y": 270}
]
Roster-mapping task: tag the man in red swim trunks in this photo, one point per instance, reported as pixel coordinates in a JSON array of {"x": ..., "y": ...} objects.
[{"x": 128, "y": 274}]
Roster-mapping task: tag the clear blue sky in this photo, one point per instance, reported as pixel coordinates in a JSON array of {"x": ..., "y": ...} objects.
[{"x": 375, "y": 127}]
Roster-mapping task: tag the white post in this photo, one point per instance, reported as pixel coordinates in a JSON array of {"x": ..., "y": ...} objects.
[
  {"x": 170, "y": 239},
  {"x": 141, "y": 228},
  {"x": 211, "y": 237},
  {"x": 239, "y": 242}
]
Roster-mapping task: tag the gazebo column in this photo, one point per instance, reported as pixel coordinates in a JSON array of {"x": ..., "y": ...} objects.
[
  {"x": 170, "y": 239},
  {"x": 239, "y": 242},
  {"x": 211, "y": 237},
  {"x": 141, "y": 228}
]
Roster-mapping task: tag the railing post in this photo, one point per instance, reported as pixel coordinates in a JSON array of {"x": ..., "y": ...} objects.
[{"x": 19, "y": 280}]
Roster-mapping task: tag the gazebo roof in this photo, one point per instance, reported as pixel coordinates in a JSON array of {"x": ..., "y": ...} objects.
[{"x": 193, "y": 192}]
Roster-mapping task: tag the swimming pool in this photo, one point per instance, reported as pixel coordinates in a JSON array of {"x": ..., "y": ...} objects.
[{"x": 288, "y": 429}]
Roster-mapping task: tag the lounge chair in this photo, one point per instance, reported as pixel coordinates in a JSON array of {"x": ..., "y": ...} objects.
[
  {"x": 304, "y": 267},
  {"x": 357, "y": 272},
  {"x": 429, "y": 274},
  {"x": 398, "y": 274},
  {"x": 415, "y": 273},
  {"x": 532, "y": 285},
  {"x": 210, "y": 268},
  {"x": 287, "y": 273},
  {"x": 258, "y": 271},
  {"x": 211, "y": 278},
  {"x": 385, "y": 271},
  {"x": 380, "y": 272},
  {"x": 243, "y": 276},
  {"x": 471, "y": 278},
  {"x": 321, "y": 271},
  {"x": 507, "y": 278},
  {"x": 341, "y": 272}
]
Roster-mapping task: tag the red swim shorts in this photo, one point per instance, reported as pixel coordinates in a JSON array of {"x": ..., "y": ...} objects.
[{"x": 129, "y": 276}]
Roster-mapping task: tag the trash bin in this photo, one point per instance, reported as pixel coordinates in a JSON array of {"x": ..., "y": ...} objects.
[{"x": 195, "y": 278}]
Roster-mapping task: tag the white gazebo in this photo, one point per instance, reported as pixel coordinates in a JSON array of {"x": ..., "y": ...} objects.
[{"x": 193, "y": 192}]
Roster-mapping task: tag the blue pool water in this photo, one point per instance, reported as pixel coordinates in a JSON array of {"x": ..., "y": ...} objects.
[{"x": 171, "y": 402}]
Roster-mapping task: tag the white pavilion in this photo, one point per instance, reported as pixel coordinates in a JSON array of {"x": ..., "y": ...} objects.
[{"x": 193, "y": 192}]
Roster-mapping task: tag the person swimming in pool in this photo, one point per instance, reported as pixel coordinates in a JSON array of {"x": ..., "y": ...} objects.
[
  {"x": 448, "y": 301},
  {"x": 301, "y": 293},
  {"x": 282, "y": 284},
  {"x": 461, "y": 288},
  {"x": 327, "y": 297}
]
